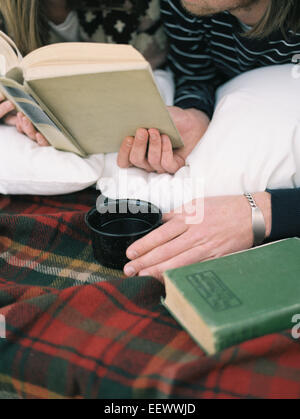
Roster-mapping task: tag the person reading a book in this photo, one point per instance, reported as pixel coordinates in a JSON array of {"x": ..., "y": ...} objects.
[
  {"x": 210, "y": 42},
  {"x": 200, "y": 61},
  {"x": 34, "y": 23}
]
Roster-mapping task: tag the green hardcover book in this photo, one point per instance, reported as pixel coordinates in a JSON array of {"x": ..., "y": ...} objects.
[{"x": 227, "y": 301}]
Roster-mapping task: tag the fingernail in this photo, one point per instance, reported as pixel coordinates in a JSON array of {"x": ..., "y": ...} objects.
[
  {"x": 153, "y": 134},
  {"x": 129, "y": 271},
  {"x": 141, "y": 135},
  {"x": 131, "y": 254}
]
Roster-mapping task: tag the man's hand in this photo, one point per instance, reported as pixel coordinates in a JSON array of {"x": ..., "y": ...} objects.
[
  {"x": 153, "y": 152},
  {"x": 23, "y": 125},
  {"x": 188, "y": 238}
]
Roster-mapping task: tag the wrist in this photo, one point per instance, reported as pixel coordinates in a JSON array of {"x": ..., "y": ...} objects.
[
  {"x": 196, "y": 113},
  {"x": 263, "y": 201}
]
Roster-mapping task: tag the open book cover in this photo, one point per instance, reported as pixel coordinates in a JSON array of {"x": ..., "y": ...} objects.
[{"x": 84, "y": 97}]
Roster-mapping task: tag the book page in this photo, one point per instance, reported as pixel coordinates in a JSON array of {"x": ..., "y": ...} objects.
[
  {"x": 9, "y": 57},
  {"x": 80, "y": 58},
  {"x": 100, "y": 110},
  {"x": 50, "y": 71},
  {"x": 26, "y": 104}
]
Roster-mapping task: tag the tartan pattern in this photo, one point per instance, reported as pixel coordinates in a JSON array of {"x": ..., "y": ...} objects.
[{"x": 78, "y": 330}]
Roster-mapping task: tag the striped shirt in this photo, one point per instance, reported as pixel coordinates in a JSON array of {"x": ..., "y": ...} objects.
[{"x": 205, "y": 52}]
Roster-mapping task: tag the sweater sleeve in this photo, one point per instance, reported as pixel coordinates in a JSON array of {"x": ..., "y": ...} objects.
[
  {"x": 189, "y": 58},
  {"x": 285, "y": 213}
]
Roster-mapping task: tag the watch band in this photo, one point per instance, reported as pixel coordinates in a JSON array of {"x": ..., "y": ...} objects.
[{"x": 258, "y": 221}]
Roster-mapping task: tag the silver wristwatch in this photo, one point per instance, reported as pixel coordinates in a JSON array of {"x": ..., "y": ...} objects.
[{"x": 258, "y": 221}]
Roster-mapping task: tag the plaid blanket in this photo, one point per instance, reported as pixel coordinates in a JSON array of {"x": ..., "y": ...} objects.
[{"x": 77, "y": 330}]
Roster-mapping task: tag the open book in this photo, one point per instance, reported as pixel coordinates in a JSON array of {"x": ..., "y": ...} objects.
[{"x": 84, "y": 97}]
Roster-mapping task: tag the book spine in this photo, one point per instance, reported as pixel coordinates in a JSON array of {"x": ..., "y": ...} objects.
[{"x": 264, "y": 324}]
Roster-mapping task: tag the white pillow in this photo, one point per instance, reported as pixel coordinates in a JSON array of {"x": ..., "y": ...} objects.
[
  {"x": 253, "y": 142},
  {"x": 26, "y": 168},
  {"x": 165, "y": 83}
]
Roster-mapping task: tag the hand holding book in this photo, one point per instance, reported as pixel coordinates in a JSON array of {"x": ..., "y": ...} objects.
[
  {"x": 84, "y": 97},
  {"x": 10, "y": 116},
  {"x": 24, "y": 126},
  {"x": 152, "y": 151},
  {"x": 6, "y": 109}
]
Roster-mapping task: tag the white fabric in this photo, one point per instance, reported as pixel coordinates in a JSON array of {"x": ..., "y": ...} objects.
[
  {"x": 253, "y": 142},
  {"x": 165, "y": 83},
  {"x": 69, "y": 30},
  {"x": 26, "y": 168}
]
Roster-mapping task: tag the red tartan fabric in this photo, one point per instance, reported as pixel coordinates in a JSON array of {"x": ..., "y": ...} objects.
[{"x": 77, "y": 330}]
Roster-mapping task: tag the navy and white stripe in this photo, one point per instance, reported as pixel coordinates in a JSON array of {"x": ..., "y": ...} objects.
[{"x": 207, "y": 51}]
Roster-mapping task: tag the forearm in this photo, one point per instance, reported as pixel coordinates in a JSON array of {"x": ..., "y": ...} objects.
[
  {"x": 190, "y": 60},
  {"x": 195, "y": 96}
]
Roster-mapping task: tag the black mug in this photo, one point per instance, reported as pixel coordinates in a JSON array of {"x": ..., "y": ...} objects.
[{"x": 116, "y": 224}]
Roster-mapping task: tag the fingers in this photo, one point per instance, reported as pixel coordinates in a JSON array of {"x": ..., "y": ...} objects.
[
  {"x": 24, "y": 126},
  {"x": 189, "y": 257},
  {"x": 133, "y": 151},
  {"x": 161, "y": 253},
  {"x": 41, "y": 140},
  {"x": 10, "y": 119},
  {"x": 155, "y": 150},
  {"x": 150, "y": 151},
  {"x": 160, "y": 154},
  {"x": 168, "y": 216},
  {"x": 153, "y": 240},
  {"x": 19, "y": 123},
  {"x": 124, "y": 153},
  {"x": 7, "y": 111},
  {"x": 156, "y": 238},
  {"x": 138, "y": 154},
  {"x": 27, "y": 127},
  {"x": 5, "y": 107},
  {"x": 169, "y": 161}
]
